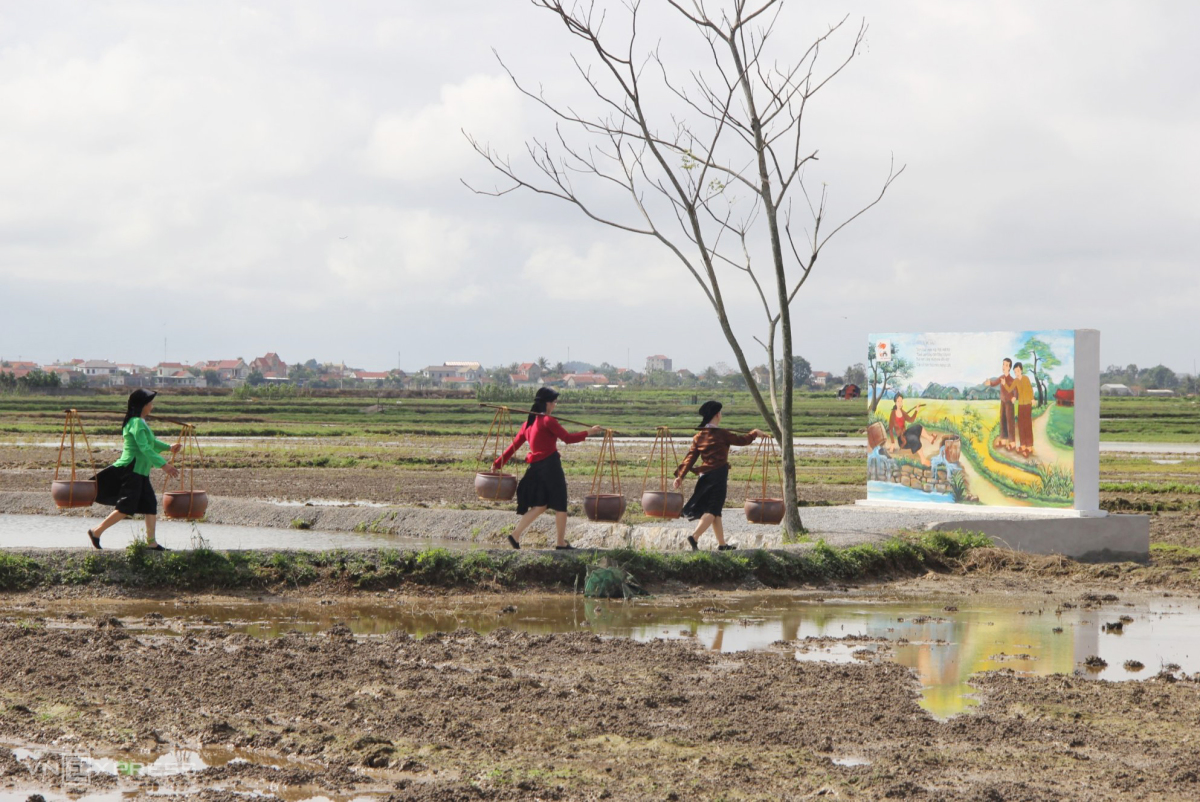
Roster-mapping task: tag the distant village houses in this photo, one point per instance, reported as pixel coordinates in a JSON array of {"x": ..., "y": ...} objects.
[{"x": 658, "y": 362}]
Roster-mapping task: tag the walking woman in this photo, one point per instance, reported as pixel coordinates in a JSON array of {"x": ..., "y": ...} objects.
[
  {"x": 711, "y": 446},
  {"x": 544, "y": 485},
  {"x": 126, "y": 483}
]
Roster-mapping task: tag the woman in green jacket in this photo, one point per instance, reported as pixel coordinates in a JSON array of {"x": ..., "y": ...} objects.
[{"x": 126, "y": 483}]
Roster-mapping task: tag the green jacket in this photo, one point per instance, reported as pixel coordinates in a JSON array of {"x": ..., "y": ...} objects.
[{"x": 141, "y": 448}]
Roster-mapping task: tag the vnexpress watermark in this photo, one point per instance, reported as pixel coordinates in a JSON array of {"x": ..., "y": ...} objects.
[{"x": 76, "y": 769}]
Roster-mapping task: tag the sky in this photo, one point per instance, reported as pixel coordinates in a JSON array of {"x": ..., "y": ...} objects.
[
  {"x": 203, "y": 180},
  {"x": 968, "y": 359}
]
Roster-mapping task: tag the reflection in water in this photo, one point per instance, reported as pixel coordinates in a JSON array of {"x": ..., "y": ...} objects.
[{"x": 943, "y": 647}]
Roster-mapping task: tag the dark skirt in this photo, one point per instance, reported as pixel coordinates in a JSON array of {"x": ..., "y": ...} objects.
[
  {"x": 709, "y": 495},
  {"x": 543, "y": 485},
  {"x": 131, "y": 493},
  {"x": 912, "y": 438}
]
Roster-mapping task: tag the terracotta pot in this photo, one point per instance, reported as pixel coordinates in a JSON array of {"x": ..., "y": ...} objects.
[
  {"x": 764, "y": 510},
  {"x": 491, "y": 486},
  {"x": 189, "y": 505},
  {"x": 662, "y": 503},
  {"x": 607, "y": 507},
  {"x": 67, "y": 494},
  {"x": 953, "y": 449},
  {"x": 876, "y": 434}
]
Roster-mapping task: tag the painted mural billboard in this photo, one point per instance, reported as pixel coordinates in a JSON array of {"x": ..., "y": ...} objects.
[{"x": 972, "y": 418}]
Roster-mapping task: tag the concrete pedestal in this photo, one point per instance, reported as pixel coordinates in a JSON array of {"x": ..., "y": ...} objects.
[{"x": 1112, "y": 538}]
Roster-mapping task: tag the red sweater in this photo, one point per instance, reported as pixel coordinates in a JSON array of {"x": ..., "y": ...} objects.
[{"x": 542, "y": 437}]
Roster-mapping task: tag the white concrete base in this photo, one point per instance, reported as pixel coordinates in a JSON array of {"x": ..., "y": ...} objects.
[
  {"x": 1110, "y": 539},
  {"x": 967, "y": 510}
]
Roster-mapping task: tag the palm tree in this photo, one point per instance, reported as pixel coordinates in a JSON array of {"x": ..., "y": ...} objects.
[{"x": 542, "y": 363}]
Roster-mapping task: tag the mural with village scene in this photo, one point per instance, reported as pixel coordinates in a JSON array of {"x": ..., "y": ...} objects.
[{"x": 972, "y": 418}]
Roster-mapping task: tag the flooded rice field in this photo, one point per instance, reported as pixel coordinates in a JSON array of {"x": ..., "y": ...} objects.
[
  {"x": 943, "y": 643},
  {"x": 849, "y": 693}
]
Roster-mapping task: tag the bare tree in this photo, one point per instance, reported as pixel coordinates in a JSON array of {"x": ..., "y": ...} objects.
[{"x": 704, "y": 163}]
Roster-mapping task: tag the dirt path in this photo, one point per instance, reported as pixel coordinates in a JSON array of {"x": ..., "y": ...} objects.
[
  {"x": 985, "y": 491},
  {"x": 1045, "y": 450}
]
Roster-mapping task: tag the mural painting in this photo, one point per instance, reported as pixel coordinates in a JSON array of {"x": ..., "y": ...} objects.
[{"x": 972, "y": 418}]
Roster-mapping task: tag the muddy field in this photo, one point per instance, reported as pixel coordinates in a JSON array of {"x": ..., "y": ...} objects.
[{"x": 573, "y": 716}]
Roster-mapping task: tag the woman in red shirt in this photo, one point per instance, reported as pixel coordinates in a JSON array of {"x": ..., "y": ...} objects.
[{"x": 544, "y": 485}]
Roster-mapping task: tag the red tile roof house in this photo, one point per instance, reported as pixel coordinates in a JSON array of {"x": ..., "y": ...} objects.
[
  {"x": 18, "y": 368},
  {"x": 371, "y": 376},
  {"x": 232, "y": 371},
  {"x": 270, "y": 366},
  {"x": 820, "y": 377},
  {"x": 584, "y": 379},
  {"x": 65, "y": 372}
]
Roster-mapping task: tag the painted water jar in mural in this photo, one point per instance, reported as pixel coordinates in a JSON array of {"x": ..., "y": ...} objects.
[
  {"x": 953, "y": 449},
  {"x": 876, "y": 434}
]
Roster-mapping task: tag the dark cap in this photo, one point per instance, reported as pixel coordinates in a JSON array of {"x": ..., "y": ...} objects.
[
  {"x": 708, "y": 411},
  {"x": 141, "y": 397},
  {"x": 546, "y": 395}
]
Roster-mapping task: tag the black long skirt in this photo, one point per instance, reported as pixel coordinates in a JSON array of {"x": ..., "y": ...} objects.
[
  {"x": 912, "y": 438},
  {"x": 131, "y": 493},
  {"x": 543, "y": 485},
  {"x": 709, "y": 495}
]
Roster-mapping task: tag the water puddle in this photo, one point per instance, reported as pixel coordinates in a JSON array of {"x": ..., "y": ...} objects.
[
  {"x": 83, "y": 777},
  {"x": 57, "y": 531},
  {"x": 944, "y": 641},
  {"x": 324, "y": 502}
]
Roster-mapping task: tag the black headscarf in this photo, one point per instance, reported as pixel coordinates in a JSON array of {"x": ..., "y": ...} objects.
[
  {"x": 541, "y": 398},
  {"x": 138, "y": 400},
  {"x": 708, "y": 411}
]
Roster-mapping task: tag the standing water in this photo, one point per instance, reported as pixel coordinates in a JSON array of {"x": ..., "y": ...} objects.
[{"x": 944, "y": 645}]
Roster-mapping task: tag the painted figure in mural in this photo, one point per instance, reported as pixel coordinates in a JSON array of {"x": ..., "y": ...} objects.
[
  {"x": 901, "y": 426},
  {"x": 1008, "y": 424},
  {"x": 1023, "y": 392}
]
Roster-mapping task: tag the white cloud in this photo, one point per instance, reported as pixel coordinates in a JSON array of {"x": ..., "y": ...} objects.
[{"x": 429, "y": 143}]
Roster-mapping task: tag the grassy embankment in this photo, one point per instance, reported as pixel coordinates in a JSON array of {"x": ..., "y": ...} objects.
[{"x": 206, "y": 569}]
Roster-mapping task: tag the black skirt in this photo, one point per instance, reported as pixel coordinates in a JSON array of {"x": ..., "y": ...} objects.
[
  {"x": 912, "y": 438},
  {"x": 543, "y": 485},
  {"x": 709, "y": 495},
  {"x": 131, "y": 493}
]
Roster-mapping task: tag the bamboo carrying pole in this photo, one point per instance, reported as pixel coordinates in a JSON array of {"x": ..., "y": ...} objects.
[
  {"x": 556, "y": 417},
  {"x": 122, "y": 414}
]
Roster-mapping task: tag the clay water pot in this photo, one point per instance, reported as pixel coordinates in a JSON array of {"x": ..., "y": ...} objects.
[
  {"x": 764, "y": 510},
  {"x": 662, "y": 503},
  {"x": 606, "y": 507},
  {"x": 491, "y": 486},
  {"x": 68, "y": 494},
  {"x": 188, "y": 505},
  {"x": 876, "y": 434},
  {"x": 953, "y": 449}
]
